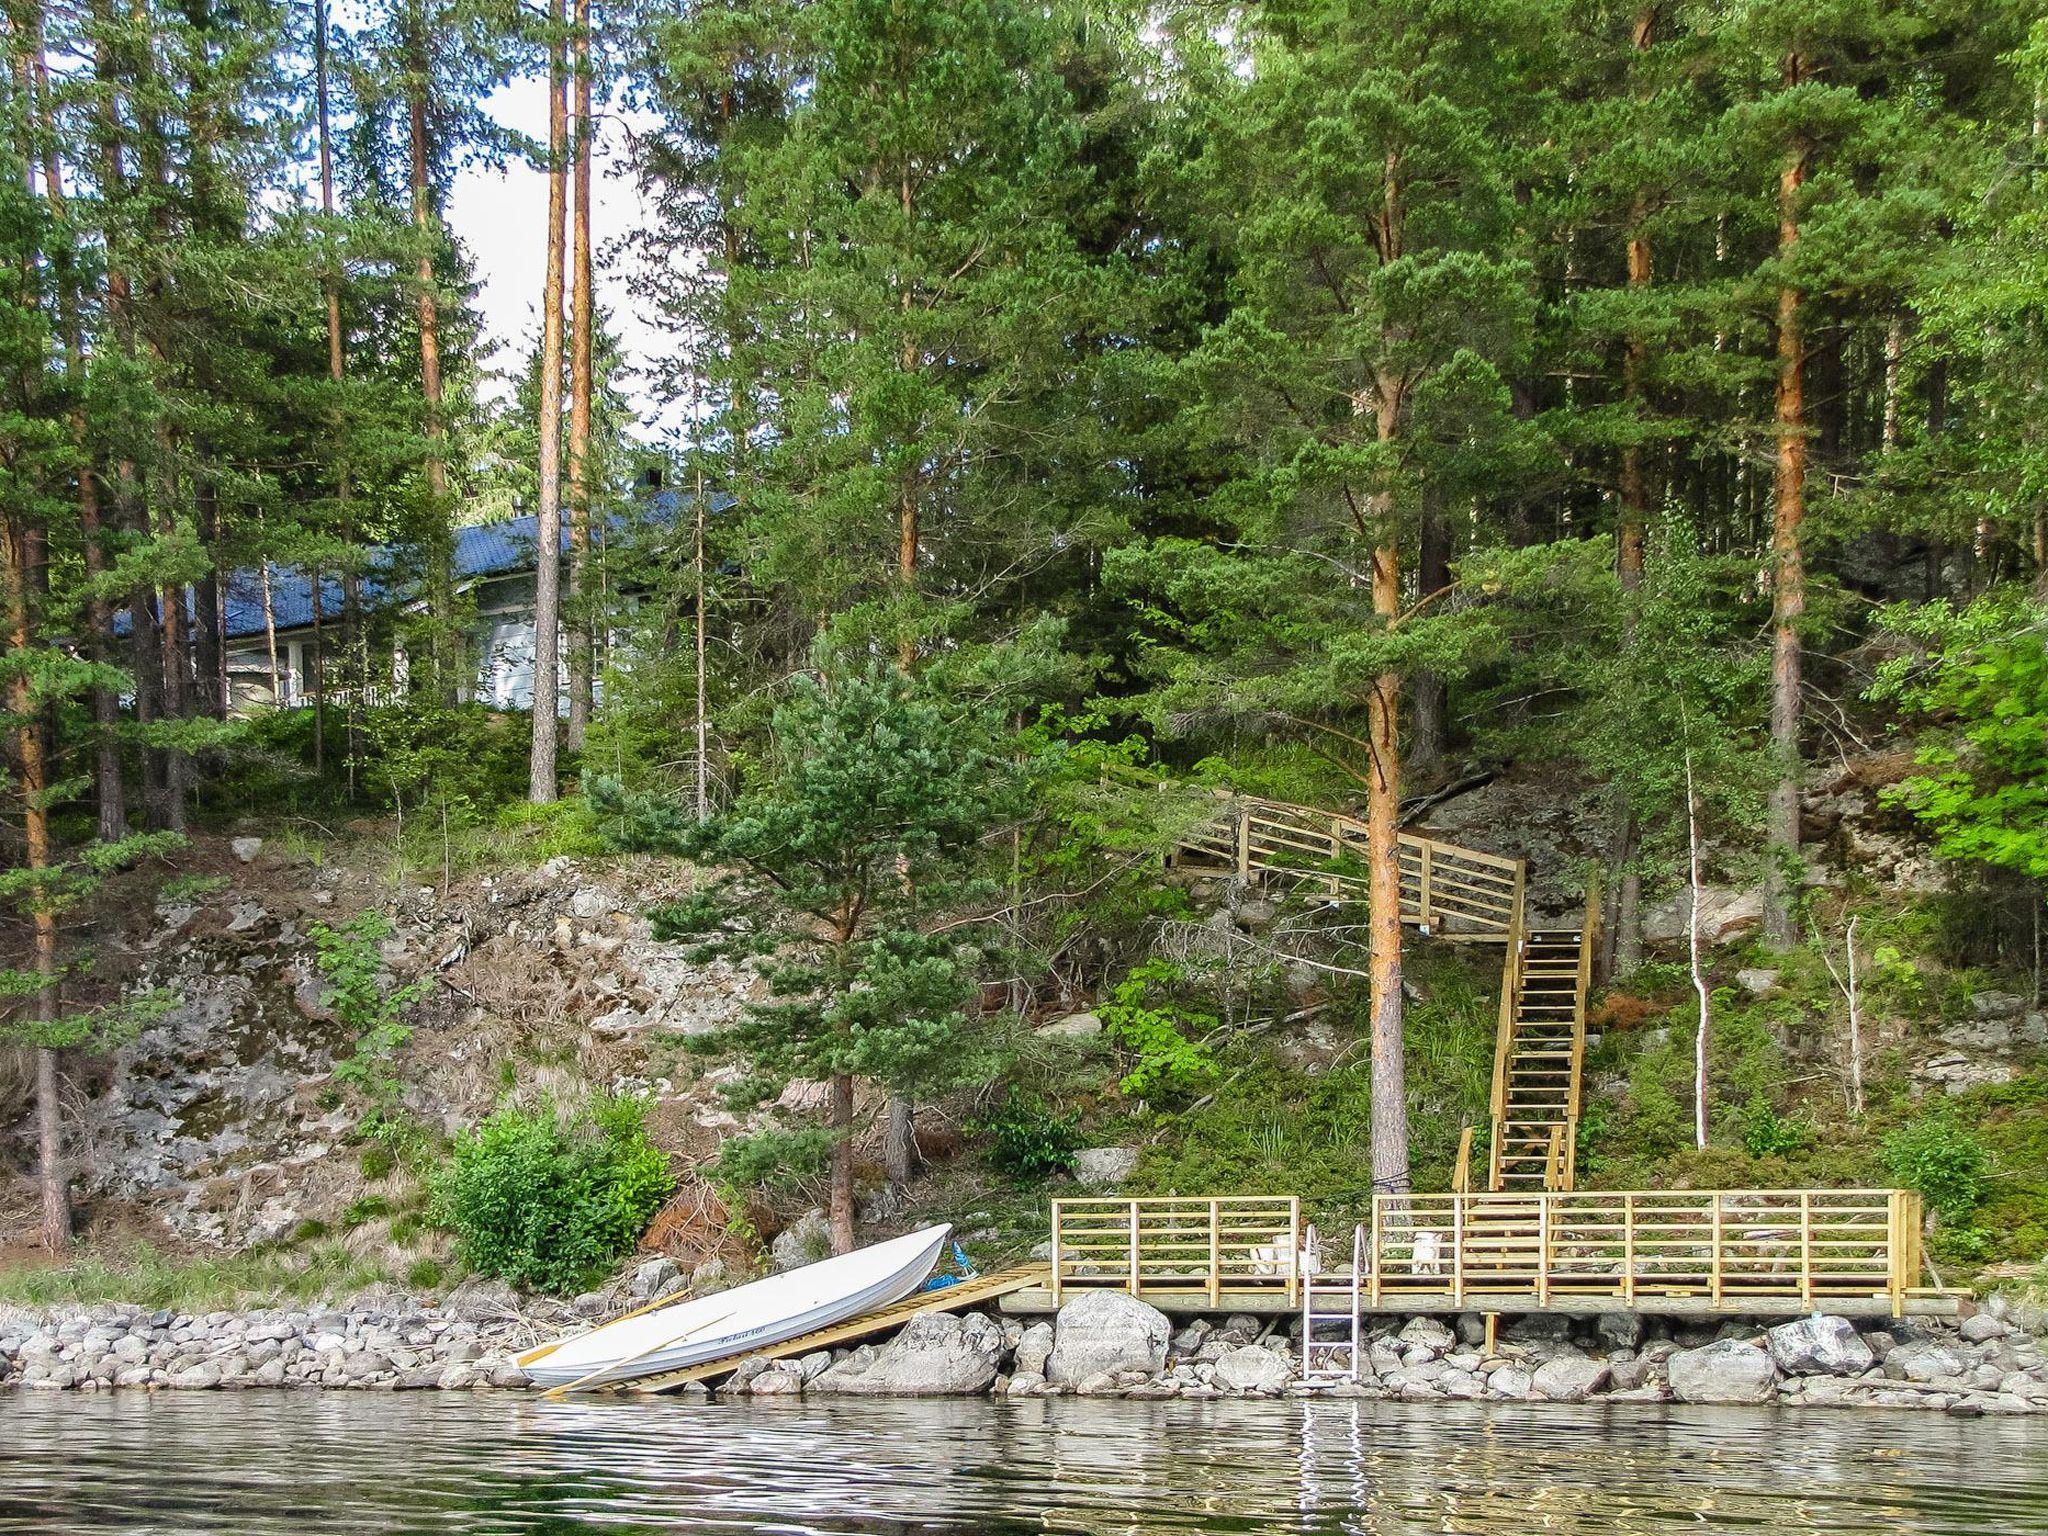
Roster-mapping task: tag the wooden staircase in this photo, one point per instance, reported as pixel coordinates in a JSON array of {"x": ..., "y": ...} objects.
[
  {"x": 1539, "y": 1055},
  {"x": 1466, "y": 896}
]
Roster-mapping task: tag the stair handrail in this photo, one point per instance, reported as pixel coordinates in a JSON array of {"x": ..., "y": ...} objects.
[
  {"x": 1589, "y": 946},
  {"x": 1504, "y": 1036}
]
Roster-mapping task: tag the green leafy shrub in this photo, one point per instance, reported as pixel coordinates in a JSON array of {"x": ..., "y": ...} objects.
[
  {"x": 1938, "y": 1156},
  {"x": 352, "y": 966},
  {"x": 1029, "y": 1139},
  {"x": 548, "y": 1207},
  {"x": 1168, "y": 1063},
  {"x": 1766, "y": 1133}
]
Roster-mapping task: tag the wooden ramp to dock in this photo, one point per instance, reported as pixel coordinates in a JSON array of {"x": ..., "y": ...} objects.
[{"x": 951, "y": 1298}]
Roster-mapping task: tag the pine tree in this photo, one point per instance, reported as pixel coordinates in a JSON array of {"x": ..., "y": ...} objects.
[
  {"x": 1366, "y": 173},
  {"x": 866, "y": 818}
]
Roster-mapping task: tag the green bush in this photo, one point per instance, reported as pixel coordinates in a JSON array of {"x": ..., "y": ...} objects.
[
  {"x": 1168, "y": 1064},
  {"x": 1029, "y": 1139},
  {"x": 1937, "y": 1155},
  {"x": 548, "y": 1207},
  {"x": 1766, "y": 1133}
]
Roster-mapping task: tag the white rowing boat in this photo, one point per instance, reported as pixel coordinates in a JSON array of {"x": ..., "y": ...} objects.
[{"x": 754, "y": 1316}]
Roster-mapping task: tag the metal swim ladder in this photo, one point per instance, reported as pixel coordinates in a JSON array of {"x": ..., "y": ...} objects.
[{"x": 1331, "y": 1360}]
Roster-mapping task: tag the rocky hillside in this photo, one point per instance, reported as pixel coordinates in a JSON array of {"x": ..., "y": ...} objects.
[{"x": 223, "y": 1126}]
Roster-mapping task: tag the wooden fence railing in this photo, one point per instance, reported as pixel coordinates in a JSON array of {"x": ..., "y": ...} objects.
[
  {"x": 1724, "y": 1250},
  {"x": 1445, "y": 889},
  {"x": 1186, "y": 1246},
  {"x": 1719, "y": 1248}
]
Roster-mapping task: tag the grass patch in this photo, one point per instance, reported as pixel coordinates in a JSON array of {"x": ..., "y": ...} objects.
[{"x": 148, "y": 1277}]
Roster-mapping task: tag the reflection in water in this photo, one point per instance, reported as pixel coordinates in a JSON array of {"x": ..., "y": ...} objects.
[{"x": 266, "y": 1463}]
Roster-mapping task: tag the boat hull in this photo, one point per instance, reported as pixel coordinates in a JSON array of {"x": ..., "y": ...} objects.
[{"x": 748, "y": 1317}]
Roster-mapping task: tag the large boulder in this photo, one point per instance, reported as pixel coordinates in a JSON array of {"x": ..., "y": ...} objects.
[
  {"x": 1922, "y": 1360},
  {"x": 1105, "y": 1165},
  {"x": 1820, "y": 1346},
  {"x": 1254, "y": 1368},
  {"x": 1726, "y": 1371},
  {"x": 1569, "y": 1378},
  {"x": 1106, "y": 1331},
  {"x": 935, "y": 1355},
  {"x": 804, "y": 1241}
]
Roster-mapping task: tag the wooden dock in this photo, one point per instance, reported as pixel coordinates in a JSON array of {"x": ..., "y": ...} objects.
[
  {"x": 951, "y": 1298},
  {"x": 1669, "y": 1252}
]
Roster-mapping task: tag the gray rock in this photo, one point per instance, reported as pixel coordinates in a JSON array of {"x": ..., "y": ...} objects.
[
  {"x": 1997, "y": 1005},
  {"x": 1106, "y": 1331},
  {"x": 1099, "y": 1166},
  {"x": 1757, "y": 982},
  {"x": 1510, "y": 1381},
  {"x": 1621, "y": 1330},
  {"x": 1254, "y": 1368},
  {"x": 1569, "y": 1378},
  {"x": 1726, "y": 1371},
  {"x": 815, "y": 1364},
  {"x": 1426, "y": 1335},
  {"x": 1958, "y": 1073},
  {"x": 1921, "y": 1361},
  {"x": 935, "y": 1355},
  {"x": 478, "y": 1300},
  {"x": 1982, "y": 1327},
  {"x": 1538, "y": 1328},
  {"x": 1034, "y": 1349},
  {"x": 1075, "y": 1026},
  {"x": 805, "y": 1241},
  {"x": 1725, "y": 914},
  {"x": 653, "y": 1277},
  {"x": 1820, "y": 1346},
  {"x": 245, "y": 849},
  {"x": 785, "y": 1379}
]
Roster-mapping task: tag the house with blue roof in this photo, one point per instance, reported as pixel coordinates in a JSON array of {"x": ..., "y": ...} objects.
[{"x": 279, "y": 607}]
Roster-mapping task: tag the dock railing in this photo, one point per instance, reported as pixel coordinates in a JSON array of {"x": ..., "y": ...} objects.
[
  {"x": 1714, "y": 1250},
  {"x": 1180, "y": 1246},
  {"x": 1649, "y": 1250}
]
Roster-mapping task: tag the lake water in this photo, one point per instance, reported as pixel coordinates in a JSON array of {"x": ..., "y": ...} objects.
[{"x": 271, "y": 1462}]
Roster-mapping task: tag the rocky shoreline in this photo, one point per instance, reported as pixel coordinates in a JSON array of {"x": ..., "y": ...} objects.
[{"x": 1104, "y": 1344}]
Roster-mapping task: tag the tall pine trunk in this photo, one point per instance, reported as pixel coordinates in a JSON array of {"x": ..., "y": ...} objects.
[
  {"x": 1788, "y": 572},
  {"x": 541, "y": 782},
  {"x": 581, "y": 309},
  {"x": 1383, "y": 860},
  {"x": 34, "y": 779},
  {"x": 1637, "y": 501},
  {"x": 109, "y": 789},
  {"x": 354, "y": 643},
  {"x": 446, "y": 645},
  {"x": 840, "y": 1203}
]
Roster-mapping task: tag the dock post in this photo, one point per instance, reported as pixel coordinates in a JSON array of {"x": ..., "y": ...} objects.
[
  {"x": 1058, "y": 1256},
  {"x": 1806, "y": 1249},
  {"x": 1215, "y": 1253},
  {"x": 1134, "y": 1247},
  {"x": 1293, "y": 1249}
]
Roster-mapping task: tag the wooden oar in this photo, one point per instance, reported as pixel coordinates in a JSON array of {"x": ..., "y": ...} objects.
[
  {"x": 660, "y": 1344},
  {"x": 656, "y": 1305}
]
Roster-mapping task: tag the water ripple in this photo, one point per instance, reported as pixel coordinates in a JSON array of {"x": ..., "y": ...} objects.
[{"x": 270, "y": 1463}]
